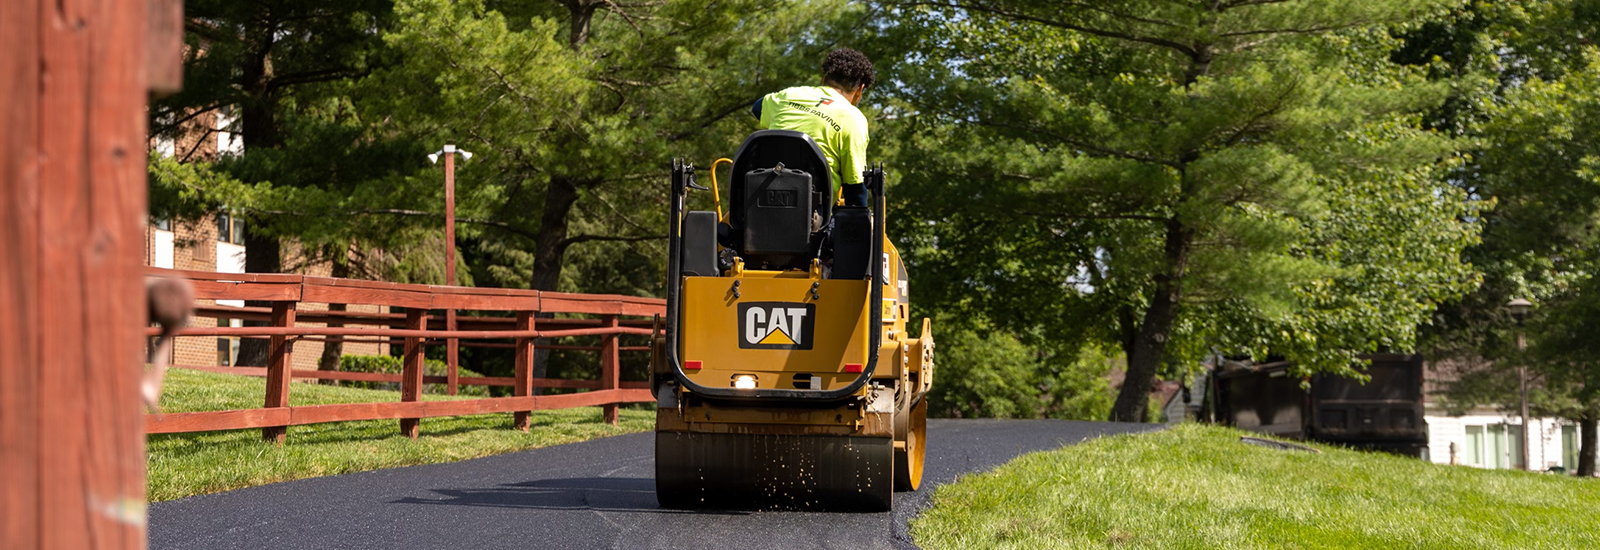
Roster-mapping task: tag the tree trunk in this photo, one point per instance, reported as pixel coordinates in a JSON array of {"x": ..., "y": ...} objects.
[
  {"x": 258, "y": 130},
  {"x": 581, "y": 13},
  {"x": 550, "y": 249},
  {"x": 550, "y": 246},
  {"x": 333, "y": 351},
  {"x": 1150, "y": 346},
  {"x": 260, "y": 256},
  {"x": 1586, "y": 447}
]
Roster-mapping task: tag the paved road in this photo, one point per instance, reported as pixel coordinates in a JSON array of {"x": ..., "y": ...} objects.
[{"x": 595, "y": 494}]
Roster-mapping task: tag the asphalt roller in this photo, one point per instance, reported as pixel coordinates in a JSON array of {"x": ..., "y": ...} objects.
[{"x": 787, "y": 376}]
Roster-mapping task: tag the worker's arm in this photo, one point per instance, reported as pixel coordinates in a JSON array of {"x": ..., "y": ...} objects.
[
  {"x": 855, "y": 194},
  {"x": 760, "y": 111},
  {"x": 853, "y": 162}
]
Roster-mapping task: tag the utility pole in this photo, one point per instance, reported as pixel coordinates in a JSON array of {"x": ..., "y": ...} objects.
[
  {"x": 1519, "y": 311},
  {"x": 452, "y": 345}
]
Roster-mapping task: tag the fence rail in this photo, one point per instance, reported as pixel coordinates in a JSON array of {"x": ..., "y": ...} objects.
[{"x": 509, "y": 318}]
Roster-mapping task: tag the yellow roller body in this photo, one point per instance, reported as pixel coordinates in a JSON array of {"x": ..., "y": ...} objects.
[{"x": 770, "y": 394}]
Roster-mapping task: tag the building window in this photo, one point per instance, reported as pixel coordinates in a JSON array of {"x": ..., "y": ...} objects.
[
  {"x": 1474, "y": 446},
  {"x": 1494, "y": 446},
  {"x": 163, "y": 224},
  {"x": 230, "y": 229}
]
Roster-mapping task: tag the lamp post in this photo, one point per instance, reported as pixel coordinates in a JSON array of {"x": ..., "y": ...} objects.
[
  {"x": 452, "y": 345},
  {"x": 1519, "y": 311}
]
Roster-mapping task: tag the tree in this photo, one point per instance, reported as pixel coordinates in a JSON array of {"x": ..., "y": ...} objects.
[
  {"x": 1172, "y": 177},
  {"x": 1542, "y": 161},
  {"x": 574, "y": 109},
  {"x": 986, "y": 373},
  {"x": 263, "y": 61},
  {"x": 1523, "y": 74}
]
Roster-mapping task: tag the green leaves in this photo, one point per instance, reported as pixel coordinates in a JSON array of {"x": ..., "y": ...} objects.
[{"x": 1053, "y": 165}]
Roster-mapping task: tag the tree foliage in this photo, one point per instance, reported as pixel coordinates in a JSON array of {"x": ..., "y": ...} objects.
[
  {"x": 1177, "y": 178},
  {"x": 1524, "y": 80}
]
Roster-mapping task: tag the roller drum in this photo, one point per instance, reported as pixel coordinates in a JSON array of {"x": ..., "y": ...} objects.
[{"x": 765, "y": 471}]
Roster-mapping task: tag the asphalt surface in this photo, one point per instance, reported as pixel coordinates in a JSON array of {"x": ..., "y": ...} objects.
[{"x": 595, "y": 494}]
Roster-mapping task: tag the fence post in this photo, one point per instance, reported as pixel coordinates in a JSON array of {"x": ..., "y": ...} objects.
[
  {"x": 522, "y": 384},
  {"x": 452, "y": 350},
  {"x": 610, "y": 378},
  {"x": 411, "y": 375},
  {"x": 279, "y": 361}
]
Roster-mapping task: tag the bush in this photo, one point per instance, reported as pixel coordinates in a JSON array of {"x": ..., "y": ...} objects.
[
  {"x": 985, "y": 373},
  {"x": 386, "y": 364}
]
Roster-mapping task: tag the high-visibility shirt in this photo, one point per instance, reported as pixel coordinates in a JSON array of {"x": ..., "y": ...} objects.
[{"x": 827, "y": 116}]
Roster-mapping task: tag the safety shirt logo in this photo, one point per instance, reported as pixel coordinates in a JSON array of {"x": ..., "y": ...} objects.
[{"x": 776, "y": 325}]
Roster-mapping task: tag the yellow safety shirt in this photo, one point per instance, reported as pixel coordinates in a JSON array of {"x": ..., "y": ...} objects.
[{"x": 827, "y": 116}]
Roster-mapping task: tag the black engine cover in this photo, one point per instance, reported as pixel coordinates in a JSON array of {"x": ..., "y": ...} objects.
[{"x": 777, "y": 209}]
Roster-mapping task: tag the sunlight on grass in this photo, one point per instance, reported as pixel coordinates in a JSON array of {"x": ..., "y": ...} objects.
[
  {"x": 1197, "y": 487},
  {"x": 183, "y": 465}
]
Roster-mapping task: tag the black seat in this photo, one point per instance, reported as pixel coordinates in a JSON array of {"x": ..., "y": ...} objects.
[{"x": 776, "y": 211}]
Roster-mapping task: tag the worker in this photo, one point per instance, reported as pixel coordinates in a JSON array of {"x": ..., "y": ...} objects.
[{"x": 829, "y": 115}]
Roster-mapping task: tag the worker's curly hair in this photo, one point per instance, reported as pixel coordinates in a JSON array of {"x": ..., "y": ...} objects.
[{"x": 848, "y": 68}]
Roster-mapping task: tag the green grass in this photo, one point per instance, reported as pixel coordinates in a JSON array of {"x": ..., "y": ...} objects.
[
  {"x": 183, "y": 465},
  {"x": 1196, "y": 486}
]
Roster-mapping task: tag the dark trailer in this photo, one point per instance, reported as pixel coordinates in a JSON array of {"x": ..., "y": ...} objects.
[{"x": 1384, "y": 414}]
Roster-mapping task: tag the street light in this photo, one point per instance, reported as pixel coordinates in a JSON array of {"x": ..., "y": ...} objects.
[
  {"x": 452, "y": 345},
  {"x": 1519, "y": 310}
]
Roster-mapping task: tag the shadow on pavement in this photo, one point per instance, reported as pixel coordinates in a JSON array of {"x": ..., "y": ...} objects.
[{"x": 606, "y": 494}]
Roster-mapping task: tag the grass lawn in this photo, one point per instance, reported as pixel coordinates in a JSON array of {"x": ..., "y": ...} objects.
[
  {"x": 1196, "y": 486},
  {"x": 182, "y": 465}
]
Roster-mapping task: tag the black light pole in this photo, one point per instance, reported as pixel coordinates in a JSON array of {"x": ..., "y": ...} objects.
[{"x": 1519, "y": 311}]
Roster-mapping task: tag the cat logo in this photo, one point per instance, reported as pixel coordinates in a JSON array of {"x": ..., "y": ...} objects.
[{"x": 776, "y": 325}]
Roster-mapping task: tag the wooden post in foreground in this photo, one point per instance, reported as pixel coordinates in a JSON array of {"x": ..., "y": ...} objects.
[
  {"x": 411, "y": 376},
  {"x": 610, "y": 378},
  {"x": 73, "y": 82},
  {"x": 279, "y": 362},
  {"x": 523, "y": 378}
]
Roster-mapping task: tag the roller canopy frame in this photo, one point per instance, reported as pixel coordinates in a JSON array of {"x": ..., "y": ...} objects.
[{"x": 682, "y": 180}]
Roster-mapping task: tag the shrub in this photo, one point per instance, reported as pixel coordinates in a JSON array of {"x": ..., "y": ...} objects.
[
  {"x": 986, "y": 373},
  {"x": 386, "y": 364}
]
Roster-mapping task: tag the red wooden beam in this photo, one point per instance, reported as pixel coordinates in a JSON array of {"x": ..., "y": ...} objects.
[
  {"x": 414, "y": 332},
  {"x": 315, "y": 414},
  {"x": 381, "y": 377},
  {"x": 21, "y": 494},
  {"x": 411, "y": 380},
  {"x": 522, "y": 380},
  {"x": 610, "y": 366},
  {"x": 73, "y": 84},
  {"x": 279, "y": 364}
]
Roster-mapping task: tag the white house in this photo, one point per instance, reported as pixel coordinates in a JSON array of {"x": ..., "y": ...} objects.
[{"x": 1487, "y": 437}]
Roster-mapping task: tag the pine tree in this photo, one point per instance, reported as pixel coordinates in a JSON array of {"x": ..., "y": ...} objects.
[{"x": 1182, "y": 178}]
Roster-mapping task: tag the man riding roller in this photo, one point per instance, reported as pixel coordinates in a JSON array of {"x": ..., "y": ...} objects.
[{"x": 829, "y": 115}]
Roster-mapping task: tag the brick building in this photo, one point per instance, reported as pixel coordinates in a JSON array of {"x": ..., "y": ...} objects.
[{"x": 217, "y": 245}]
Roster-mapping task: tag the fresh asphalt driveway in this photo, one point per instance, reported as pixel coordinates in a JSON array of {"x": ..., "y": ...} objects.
[{"x": 595, "y": 494}]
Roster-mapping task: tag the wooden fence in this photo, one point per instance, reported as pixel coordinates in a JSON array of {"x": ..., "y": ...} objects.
[{"x": 504, "y": 318}]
